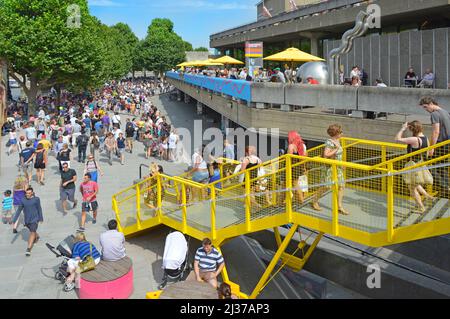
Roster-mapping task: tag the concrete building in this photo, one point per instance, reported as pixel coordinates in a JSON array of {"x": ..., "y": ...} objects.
[{"x": 413, "y": 33}]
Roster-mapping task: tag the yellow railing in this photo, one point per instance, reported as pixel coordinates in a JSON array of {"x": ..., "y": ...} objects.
[
  {"x": 385, "y": 198},
  {"x": 377, "y": 197}
]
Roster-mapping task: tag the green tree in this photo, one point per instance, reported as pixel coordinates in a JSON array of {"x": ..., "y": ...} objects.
[
  {"x": 188, "y": 46},
  {"x": 138, "y": 57},
  {"x": 43, "y": 44},
  {"x": 162, "y": 48},
  {"x": 201, "y": 49},
  {"x": 128, "y": 43}
]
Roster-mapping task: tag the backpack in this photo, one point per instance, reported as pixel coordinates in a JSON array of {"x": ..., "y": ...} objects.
[
  {"x": 84, "y": 140},
  {"x": 129, "y": 129},
  {"x": 96, "y": 142},
  {"x": 54, "y": 135}
]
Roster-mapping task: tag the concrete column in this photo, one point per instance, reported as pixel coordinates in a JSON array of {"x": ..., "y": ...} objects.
[
  {"x": 199, "y": 108},
  {"x": 187, "y": 99},
  {"x": 314, "y": 37},
  {"x": 315, "y": 45}
]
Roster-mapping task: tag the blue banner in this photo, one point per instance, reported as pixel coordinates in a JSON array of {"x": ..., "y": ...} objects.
[{"x": 236, "y": 88}]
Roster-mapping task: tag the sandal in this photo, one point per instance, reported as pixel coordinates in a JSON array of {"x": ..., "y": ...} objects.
[
  {"x": 342, "y": 211},
  {"x": 316, "y": 207}
]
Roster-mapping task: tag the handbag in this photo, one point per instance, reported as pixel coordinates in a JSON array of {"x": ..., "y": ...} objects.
[
  {"x": 420, "y": 177},
  {"x": 88, "y": 262},
  {"x": 8, "y": 143}
]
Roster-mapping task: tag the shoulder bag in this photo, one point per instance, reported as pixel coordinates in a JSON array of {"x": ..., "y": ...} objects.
[{"x": 88, "y": 262}]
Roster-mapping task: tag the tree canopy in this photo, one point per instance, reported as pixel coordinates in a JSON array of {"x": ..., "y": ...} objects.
[
  {"x": 162, "y": 48},
  {"x": 58, "y": 43},
  {"x": 201, "y": 49},
  {"x": 188, "y": 46},
  {"x": 43, "y": 42}
]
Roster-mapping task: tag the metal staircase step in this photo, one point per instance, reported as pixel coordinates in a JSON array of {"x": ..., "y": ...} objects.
[{"x": 435, "y": 210}]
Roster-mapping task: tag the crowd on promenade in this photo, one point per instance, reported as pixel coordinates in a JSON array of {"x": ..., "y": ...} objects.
[{"x": 88, "y": 125}]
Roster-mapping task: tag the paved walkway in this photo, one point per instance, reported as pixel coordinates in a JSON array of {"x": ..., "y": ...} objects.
[{"x": 32, "y": 277}]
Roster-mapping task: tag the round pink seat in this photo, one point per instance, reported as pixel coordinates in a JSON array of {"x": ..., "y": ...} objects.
[{"x": 109, "y": 280}]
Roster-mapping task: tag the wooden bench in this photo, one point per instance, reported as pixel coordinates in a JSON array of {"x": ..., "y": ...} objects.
[{"x": 109, "y": 280}]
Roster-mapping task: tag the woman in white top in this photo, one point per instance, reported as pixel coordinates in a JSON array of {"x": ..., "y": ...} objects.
[
  {"x": 199, "y": 170},
  {"x": 12, "y": 141},
  {"x": 248, "y": 163}
]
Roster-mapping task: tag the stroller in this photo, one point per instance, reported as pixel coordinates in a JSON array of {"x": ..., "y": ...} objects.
[
  {"x": 64, "y": 250},
  {"x": 175, "y": 259}
]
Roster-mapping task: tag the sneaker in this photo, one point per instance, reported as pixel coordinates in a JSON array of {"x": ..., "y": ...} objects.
[
  {"x": 75, "y": 204},
  {"x": 69, "y": 286},
  {"x": 94, "y": 221},
  {"x": 28, "y": 252},
  {"x": 81, "y": 230},
  {"x": 15, "y": 231}
]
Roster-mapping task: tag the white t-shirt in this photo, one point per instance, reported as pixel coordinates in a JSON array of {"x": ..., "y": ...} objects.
[
  {"x": 197, "y": 158},
  {"x": 115, "y": 119},
  {"x": 65, "y": 140},
  {"x": 159, "y": 121},
  {"x": 172, "y": 140}
]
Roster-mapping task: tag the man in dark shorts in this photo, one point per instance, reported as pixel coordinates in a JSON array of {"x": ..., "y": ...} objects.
[
  {"x": 67, "y": 189},
  {"x": 32, "y": 210},
  {"x": 89, "y": 190}
]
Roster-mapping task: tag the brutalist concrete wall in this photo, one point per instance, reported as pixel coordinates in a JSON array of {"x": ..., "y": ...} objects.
[
  {"x": 389, "y": 56},
  {"x": 194, "y": 55}
]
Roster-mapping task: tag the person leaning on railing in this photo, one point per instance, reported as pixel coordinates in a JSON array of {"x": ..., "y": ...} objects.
[
  {"x": 415, "y": 143},
  {"x": 333, "y": 150}
]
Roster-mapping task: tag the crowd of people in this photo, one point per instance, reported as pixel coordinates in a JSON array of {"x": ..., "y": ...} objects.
[{"x": 86, "y": 124}]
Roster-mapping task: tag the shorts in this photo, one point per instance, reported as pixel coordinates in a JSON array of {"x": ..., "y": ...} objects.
[
  {"x": 200, "y": 176},
  {"x": 7, "y": 213},
  {"x": 27, "y": 168},
  {"x": 73, "y": 263},
  {"x": 130, "y": 139},
  {"x": 121, "y": 150},
  {"x": 32, "y": 227},
  {"x": 13, "y": 142},
  {"x": 207, "y": 276},
  {"x": 39, "y": 165},
  {"x": 86, "y": 206},
  {"x": 67, "y": 194}
]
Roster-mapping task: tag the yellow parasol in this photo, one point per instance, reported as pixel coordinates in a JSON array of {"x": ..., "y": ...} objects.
[
  {"x": 293, "y": 55},
  {"x": 183, "y": 64},
  {"x": 228, "y": 60},
  {"x": 209, "y": 62}
]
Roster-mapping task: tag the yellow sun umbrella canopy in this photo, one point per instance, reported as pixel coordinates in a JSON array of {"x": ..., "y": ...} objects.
[
  {"x": 293, "y": 55},
  {"x": 228, "y": 60},
  {"x": 183, "y": 64},
  {"x": 209, "y": 62}
]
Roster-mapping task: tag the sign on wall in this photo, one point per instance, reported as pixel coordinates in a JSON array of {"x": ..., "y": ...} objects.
[{"x": 253, "y": 56}]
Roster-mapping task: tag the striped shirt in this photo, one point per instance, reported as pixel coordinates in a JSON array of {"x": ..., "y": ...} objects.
[
  {"x": 82, "y": 249},
  {"x": 208, "y": 262},
  {"x": 7, "y": 203}
]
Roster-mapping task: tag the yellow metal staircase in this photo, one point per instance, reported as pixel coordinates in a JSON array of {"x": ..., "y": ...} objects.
[{"x": 373, "y": 176}]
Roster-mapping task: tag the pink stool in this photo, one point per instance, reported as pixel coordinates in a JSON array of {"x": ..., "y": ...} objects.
[{"x": 109, "y": 280}]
